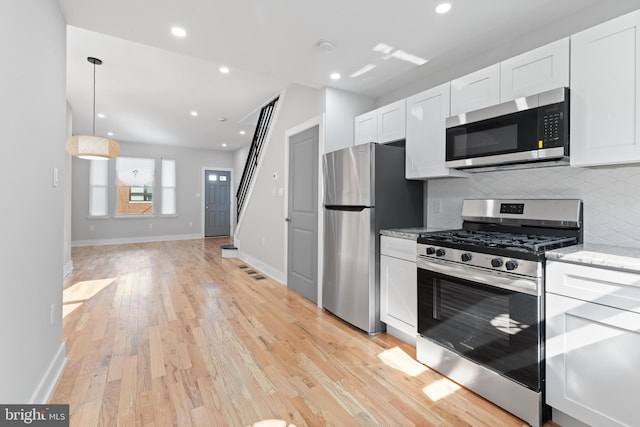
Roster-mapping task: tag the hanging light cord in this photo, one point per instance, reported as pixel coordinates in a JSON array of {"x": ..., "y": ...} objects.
[
  {"x": 94, "y": 61},
  {"x": 94, "y": 99}
]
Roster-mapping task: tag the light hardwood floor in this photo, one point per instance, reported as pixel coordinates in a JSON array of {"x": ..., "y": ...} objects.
[{"x": 172, "y": 334}]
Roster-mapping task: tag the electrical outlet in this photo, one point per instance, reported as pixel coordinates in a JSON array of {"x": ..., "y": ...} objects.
[
  {"x": 150, "y": 225},
  {"x": 264, "y": 241},
  {"x": 52, "y": 314}
]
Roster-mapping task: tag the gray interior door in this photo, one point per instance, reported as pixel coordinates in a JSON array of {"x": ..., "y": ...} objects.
[
  {"x": 302, "y": 256},
  {"x": 217, "y": 203}
]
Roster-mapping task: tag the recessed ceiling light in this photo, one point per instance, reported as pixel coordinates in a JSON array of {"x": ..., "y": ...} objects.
[
  {"x": 335, "y": 76},
  {"x": 242, "y": 132},
  {"x": 110, "y": 133},
  {"x": 224, "y": 70},
  {"x": 224, "y": 145},
  {"x": 194, "y": 113},
  {"x": 101, "y": 115},
  {"x": 222, "y": 119},
  {"x": 178, "y": 32},
  {"x": 443, "y": 8}
]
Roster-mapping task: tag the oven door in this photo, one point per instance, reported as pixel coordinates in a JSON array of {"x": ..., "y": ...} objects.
[{"x": 497, "y": 327}]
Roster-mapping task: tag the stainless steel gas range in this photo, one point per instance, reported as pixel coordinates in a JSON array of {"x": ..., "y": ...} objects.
[{"x": 481, "y": 298}]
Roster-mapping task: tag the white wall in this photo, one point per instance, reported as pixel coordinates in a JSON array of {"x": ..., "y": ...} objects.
[
  {"x": 340, "y": 109},
  {"x": 189, "y": 181},
  {"x": 611, "y": 197},
  {"x": 33, "y": 123},
  {"x": 260, "y": 236},
  {"x": 66, "y": 252}
]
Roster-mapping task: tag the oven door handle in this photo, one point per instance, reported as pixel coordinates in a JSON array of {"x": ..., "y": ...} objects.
[{"x": 498, "y": 279}]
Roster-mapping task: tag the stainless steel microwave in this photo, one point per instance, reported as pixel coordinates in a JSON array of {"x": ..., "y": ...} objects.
[{"x": 525, "y": 130}]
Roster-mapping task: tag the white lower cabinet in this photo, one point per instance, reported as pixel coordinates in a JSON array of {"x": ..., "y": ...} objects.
[
  {"x": 398, "y": 285},
  {"x": 592, "y": 344}
]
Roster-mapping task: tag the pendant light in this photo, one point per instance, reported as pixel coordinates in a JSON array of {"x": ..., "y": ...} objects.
[{"x": 92, "y": 147}]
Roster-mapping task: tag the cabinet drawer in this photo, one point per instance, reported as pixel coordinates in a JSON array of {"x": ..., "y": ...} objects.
[
  {"x": 398, "y": 248},
  {"x": 607, "y": 287}
]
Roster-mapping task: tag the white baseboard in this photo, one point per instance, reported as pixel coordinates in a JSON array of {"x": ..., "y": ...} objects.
[
  {"x": 141, "y": 239},
  {"x": 68, "y": 268},
  {"x": 276, "y": 275},
  {"x": 47, "y": 384}
]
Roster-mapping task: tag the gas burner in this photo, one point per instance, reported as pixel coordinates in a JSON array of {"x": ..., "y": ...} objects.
[{"x": 519, "y": 242}]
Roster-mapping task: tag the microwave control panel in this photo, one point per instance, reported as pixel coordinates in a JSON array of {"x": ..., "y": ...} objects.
[{"x": 551, "y": 126}]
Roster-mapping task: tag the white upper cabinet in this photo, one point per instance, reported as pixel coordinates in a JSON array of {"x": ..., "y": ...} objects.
[
  {"x": 536, "y": 71},
  {"x": 391, "y": 122},
  {"x": 385, "y": 124},
  {"x": 425, "y": 144},
  {"x": 605, "y": 93},
  {"x": 366, "y": 128},
  {"x": 476, "y": 90}
]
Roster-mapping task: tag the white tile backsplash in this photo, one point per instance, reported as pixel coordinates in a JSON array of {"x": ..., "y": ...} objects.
[{"x": 611, "y": 197}]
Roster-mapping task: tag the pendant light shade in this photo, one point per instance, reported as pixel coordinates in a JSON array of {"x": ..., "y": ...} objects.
[{"x": 92, "y": 147}]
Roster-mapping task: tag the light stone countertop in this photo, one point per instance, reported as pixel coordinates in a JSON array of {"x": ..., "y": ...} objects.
[
  {"x": 407, "y": 233},
  {"x": 596, "y": 255}
]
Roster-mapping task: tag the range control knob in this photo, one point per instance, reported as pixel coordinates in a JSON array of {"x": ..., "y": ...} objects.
[
  {"x": 430, "y": 250},
  {"x": 465, "y": 257},
  {"x": 511, "y": 265},
  {"x": 496, "y": 262},
  {"x": 440, "y": 252}
]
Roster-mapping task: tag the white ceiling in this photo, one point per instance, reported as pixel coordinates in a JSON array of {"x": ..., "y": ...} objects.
[{"x": 150, "y": 80}]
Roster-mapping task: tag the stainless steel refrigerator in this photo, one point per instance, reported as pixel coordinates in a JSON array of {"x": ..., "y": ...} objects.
[{"x": 365, "y": 191}]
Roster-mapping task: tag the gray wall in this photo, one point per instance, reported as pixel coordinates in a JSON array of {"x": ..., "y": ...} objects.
[
  {"x": 340, "y": 109},
  {"x": 33, "y": 118},
  {"x": 189, "y": 196},
  {"x": 260, "y": 236},
  {"x": 239, "y": 160}
]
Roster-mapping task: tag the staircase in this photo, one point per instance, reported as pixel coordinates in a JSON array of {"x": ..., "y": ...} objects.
[{"x": 262, "y": 128}]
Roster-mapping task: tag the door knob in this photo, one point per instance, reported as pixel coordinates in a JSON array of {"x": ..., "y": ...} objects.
[{"x": 287, "y": 219}]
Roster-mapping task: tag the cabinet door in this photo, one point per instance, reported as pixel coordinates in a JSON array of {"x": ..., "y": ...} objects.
[
  {"x": 425, "y": 145},
  {"x": 366, "y": 128},
  {"x": 592, "y": 354},
  {"x": 535, "y": 71},
  {"x": 398, "y": 294},
  {"x": 391, "y": 122},
  {"x": 605, "y": 93},
  {"x": 476, "y": 90}
]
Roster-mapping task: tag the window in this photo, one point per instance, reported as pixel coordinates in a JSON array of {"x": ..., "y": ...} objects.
[
  {"x": 140, "y": 194},
  {"x": 134, "y": 182},
  {"x": 98, "y": 194},
  {"x": 168, "y": 181}
]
